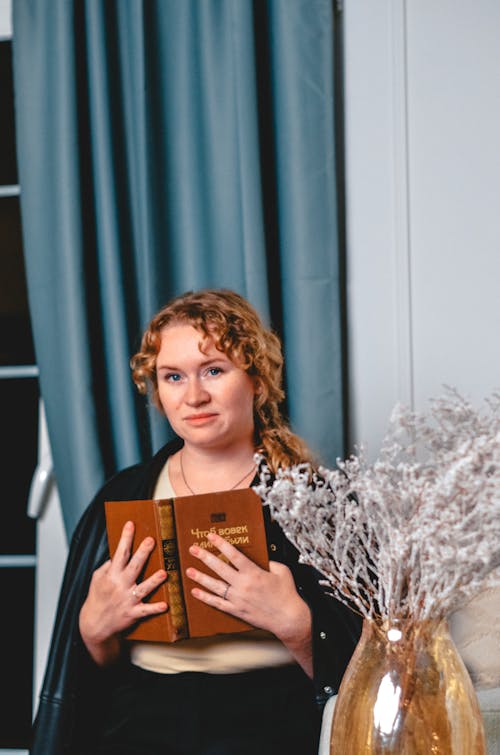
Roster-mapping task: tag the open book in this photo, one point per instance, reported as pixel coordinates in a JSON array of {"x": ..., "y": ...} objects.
[{"x": 176, "y": 524}]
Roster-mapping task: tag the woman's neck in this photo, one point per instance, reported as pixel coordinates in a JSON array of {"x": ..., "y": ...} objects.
[{"x": 196, "y": 470}]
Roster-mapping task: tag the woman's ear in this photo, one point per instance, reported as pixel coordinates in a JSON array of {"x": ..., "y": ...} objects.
[{"x": 257, "y": 385}]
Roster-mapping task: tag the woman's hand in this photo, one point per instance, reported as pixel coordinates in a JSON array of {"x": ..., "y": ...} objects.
[
  {"x": 265, "y": 599},
  {"x": 114, "y": 601}
]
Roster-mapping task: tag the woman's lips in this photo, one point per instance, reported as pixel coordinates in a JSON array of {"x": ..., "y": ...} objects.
[{"x": 199, "y": 419}]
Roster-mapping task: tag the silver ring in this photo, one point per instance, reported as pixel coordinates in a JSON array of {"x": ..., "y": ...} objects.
[
  {"x": 134, "y": 593},
  {"x": 224, "y": 597}
]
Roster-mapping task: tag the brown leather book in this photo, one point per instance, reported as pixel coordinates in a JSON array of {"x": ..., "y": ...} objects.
[{"x": 176, "y": 524}]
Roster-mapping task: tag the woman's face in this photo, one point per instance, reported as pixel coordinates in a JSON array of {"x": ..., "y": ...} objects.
[{"x": 206, "y": 397}]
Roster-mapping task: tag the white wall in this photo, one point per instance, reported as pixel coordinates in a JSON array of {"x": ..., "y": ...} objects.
[
  {"x": 5, "y": 19},
  {"x": 423, "y": 201}
]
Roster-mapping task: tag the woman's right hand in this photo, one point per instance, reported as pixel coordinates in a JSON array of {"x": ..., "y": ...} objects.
[{"x": 114, "y": 601}]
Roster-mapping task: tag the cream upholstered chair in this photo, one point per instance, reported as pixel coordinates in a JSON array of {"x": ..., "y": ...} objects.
[
  {"x": 326, "y": 725},
  {"x": 476, "y": 632}
]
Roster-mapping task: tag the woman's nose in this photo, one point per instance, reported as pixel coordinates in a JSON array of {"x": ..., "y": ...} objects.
[{"x": 196, "y": 394}]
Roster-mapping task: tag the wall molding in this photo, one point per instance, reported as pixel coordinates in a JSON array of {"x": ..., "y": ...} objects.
[
  {"x": 402, "y": 214},
  {"x": 378, "y": 216}
]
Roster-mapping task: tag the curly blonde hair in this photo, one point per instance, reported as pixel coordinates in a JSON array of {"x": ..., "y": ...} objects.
[{"x": 237, "y": 331}]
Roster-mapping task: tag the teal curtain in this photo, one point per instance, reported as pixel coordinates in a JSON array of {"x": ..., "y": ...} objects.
[{"x": 167, "y": 145}]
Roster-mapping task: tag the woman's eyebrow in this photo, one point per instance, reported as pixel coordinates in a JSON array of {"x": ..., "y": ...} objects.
[{"x": 205, "y": 363}]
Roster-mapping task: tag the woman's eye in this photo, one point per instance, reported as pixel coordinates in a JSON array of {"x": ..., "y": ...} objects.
[
  {"x": 172, "y": 377},
  {"x": 214, "y": 371}
]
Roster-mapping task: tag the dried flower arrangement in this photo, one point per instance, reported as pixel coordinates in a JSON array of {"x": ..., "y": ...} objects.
[{"x": 417, "y": 533}]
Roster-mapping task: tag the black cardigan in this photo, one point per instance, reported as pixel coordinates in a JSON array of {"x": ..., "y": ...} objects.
[{"x": 75, "y": 689}]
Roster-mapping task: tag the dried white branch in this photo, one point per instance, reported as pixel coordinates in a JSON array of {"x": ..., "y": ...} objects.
[{"x": 417, "y": 533}]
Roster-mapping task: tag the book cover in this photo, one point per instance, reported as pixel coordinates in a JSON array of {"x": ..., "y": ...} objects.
[{"x": 176, "y": 524}]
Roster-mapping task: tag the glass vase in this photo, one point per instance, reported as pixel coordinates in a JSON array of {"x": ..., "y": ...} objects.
[{"x": 406, "y": 691}]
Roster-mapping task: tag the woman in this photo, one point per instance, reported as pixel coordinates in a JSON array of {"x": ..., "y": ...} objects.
[{"x": 215, "y": 372}]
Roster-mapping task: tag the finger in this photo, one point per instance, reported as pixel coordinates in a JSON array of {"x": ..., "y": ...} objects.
[
  {"x": 142, "y": 590},
  {"x": 213, "y": 562},
  {"x": 281, "y": 570},
  {"x": 236, "y": 557},
  {"x": 141, "y": 555},
  {"x": 148, "y": 609},
  {"x": 216, "y": 601},
  {"x": 217, "y": 586},
  {"x": 104, "y": 568},
  {"x": 124, "y": 547},
  {"x": 136, "y": 594}
]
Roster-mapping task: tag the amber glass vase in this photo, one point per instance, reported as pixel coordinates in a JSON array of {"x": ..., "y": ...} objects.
[{"x": 406, "y": 691}]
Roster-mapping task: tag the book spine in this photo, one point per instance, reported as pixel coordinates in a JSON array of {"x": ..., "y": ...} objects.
[{"x": 176, "y": 604}]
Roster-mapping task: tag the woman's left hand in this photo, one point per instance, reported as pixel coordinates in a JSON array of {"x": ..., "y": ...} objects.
[{"x": 265, "y": 599}]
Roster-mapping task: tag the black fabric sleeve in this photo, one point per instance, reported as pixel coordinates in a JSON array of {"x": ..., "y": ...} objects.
[
  {"x": 335, "y": 627},
  {"x": 73, "y": 683}
]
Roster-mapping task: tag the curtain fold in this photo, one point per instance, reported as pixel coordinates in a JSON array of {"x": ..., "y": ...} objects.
[
  {"x": 304, "y": 109},
  {"x": 166, "y": 146}
]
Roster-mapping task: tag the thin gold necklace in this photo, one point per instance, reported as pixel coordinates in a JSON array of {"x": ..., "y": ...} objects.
[{"x": 186, "y": 483}]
